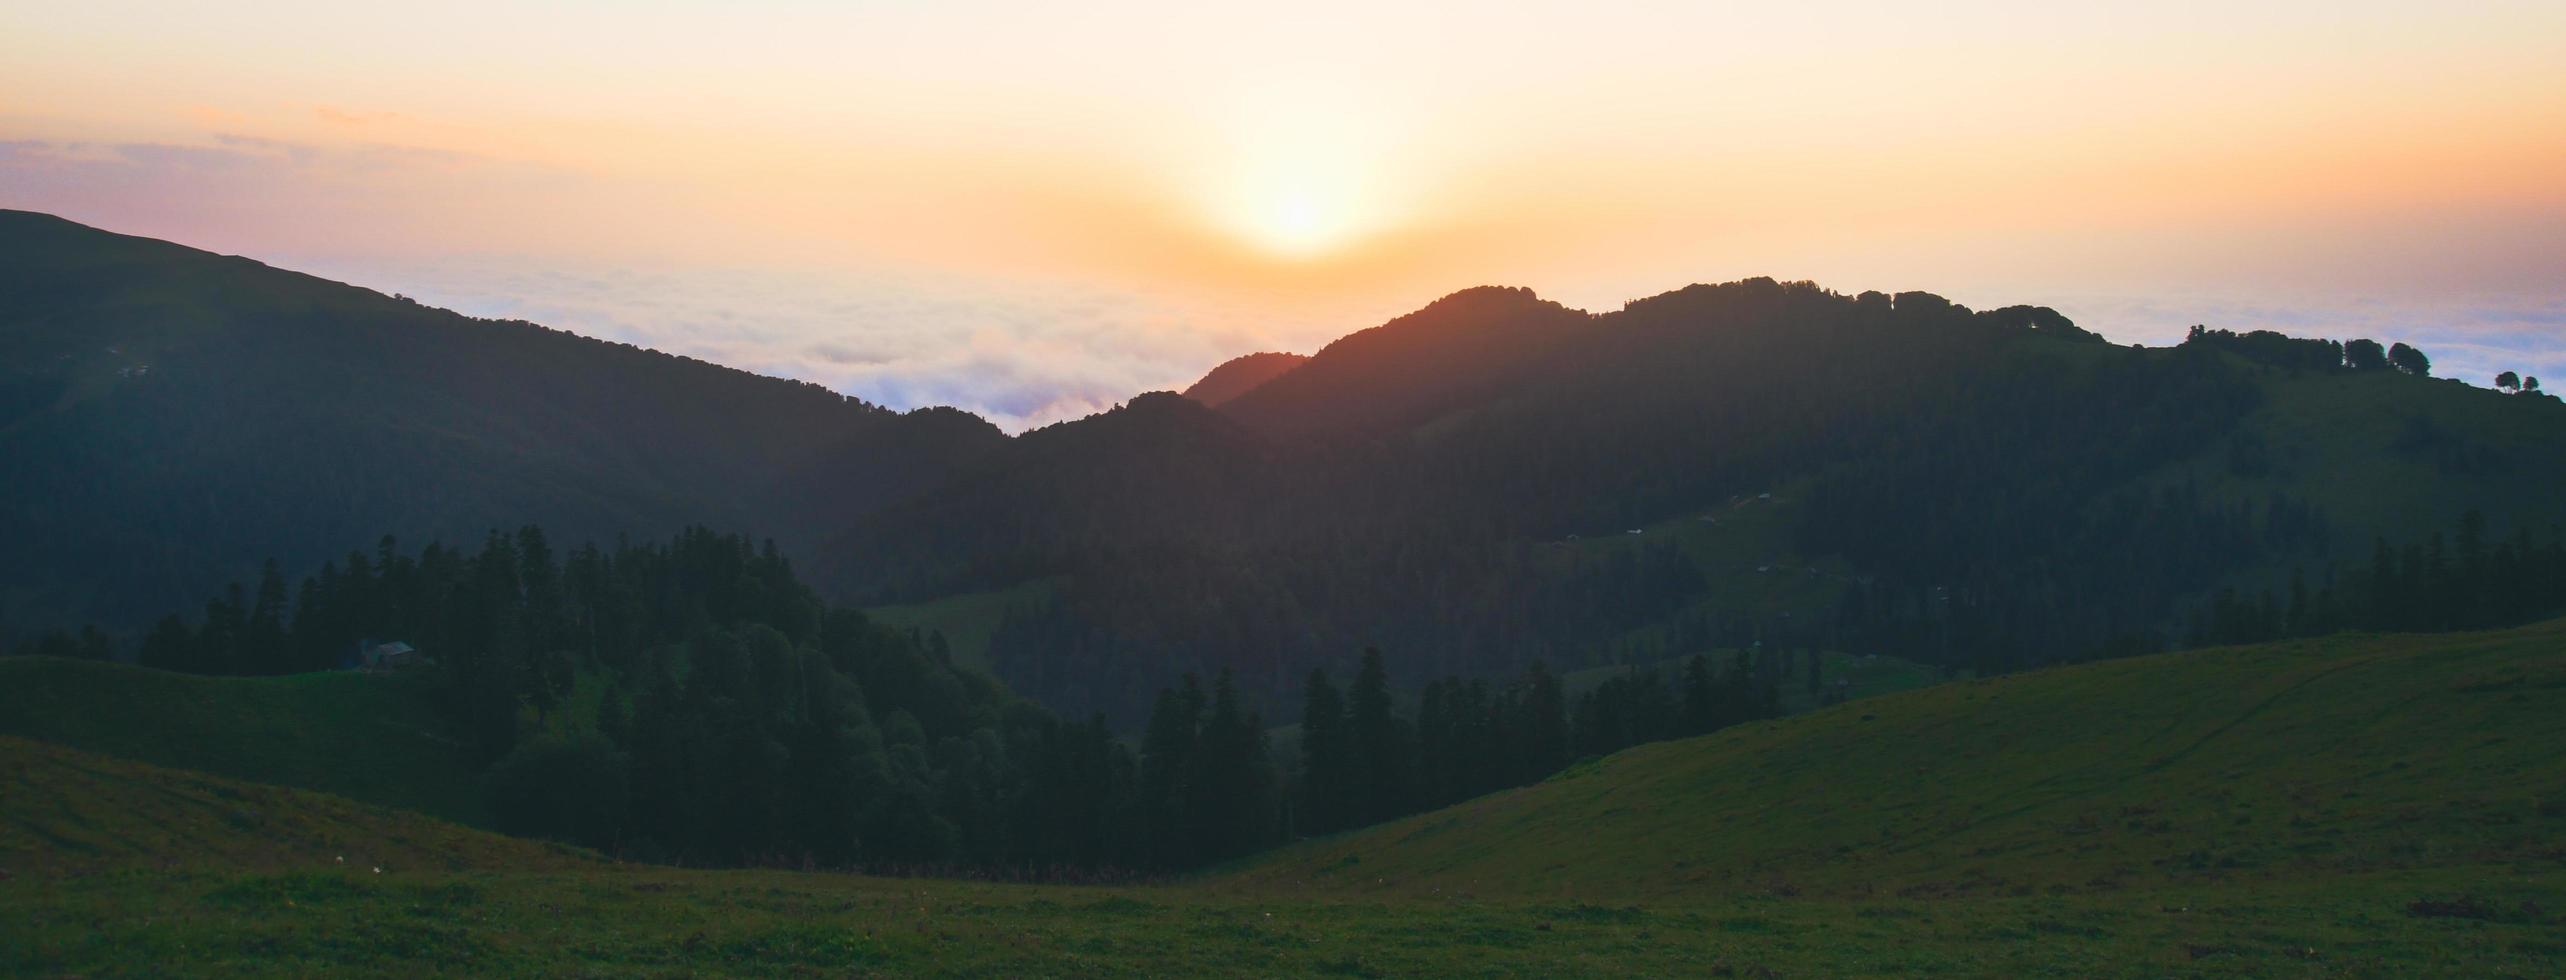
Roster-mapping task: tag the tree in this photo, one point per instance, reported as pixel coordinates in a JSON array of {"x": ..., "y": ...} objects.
[
  {"x": 1167, "y": 750},
  {"x": 2410, "y": 361},
  {"x": 94, "y": 645},
  {"x": 1701, "y": 702},
  {"x": 1233, "y": 799},
  {"x": 2364, "y": 355},
  {"x": 1381, "y": 745},
  {"x": 1544, "y": 725},
  {"x": 2508, "y": 381},
  {"x": 263, "y": 646},
  {"x": 2530, "y": 384},
  {"x": 168, "y": 646},
  {"x": 1326, "y": 757}
]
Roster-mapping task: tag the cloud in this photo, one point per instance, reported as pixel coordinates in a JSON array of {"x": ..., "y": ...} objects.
[{"x": 1022, "y": 354}]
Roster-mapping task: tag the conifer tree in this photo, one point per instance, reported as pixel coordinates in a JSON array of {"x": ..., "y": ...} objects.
[
  {"x": 1384, "y": 746},
  {"x": 1326, "y": 757}
]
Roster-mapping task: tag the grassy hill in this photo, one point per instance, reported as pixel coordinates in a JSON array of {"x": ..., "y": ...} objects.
[
  {"x": 368, "y": 737},
  {"x": 2381, "y": 453},
  {"x": 2360, "y": 806},
  {"x": 2287, "y": 761},
  {"x": 66, "y": 813}
]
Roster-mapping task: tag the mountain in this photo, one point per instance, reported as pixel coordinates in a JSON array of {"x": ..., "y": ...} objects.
[
  {"x": 1460, "y": 350},
  {"x": 1492, "y": 480},
  {"x": 1496, "y": 479},
  {"x": 2336, "y": 758},
  {"x": 1238, "y": 374},
  {"x": 170, "y": 417}
]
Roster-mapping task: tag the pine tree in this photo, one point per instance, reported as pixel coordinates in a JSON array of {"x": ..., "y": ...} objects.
[
  {"x": 263, "y": 646},
  {"x": 1384, "y": 751},
  {"x": 169, "y": 646},
  {"x": 1545, "y": 725},
  {"x": 1326, "y": 757},
  {"x": 1700, "y": 703},
  {"x": 1166, "y": 764},
  {"x": 1233, "y": 800}
]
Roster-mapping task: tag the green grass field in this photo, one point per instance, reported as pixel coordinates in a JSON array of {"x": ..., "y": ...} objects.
[
  {"x": 2357, "y": 806},
  {"x": 2283, "y": 761}
]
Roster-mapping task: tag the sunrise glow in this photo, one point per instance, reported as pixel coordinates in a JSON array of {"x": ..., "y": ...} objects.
[{"x": 1243, "y": 179}]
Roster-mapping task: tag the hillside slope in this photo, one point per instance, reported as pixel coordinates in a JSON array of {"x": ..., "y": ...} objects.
[
  {"x": 1456, "y": 351},
  {"x": 64, "y": 812},
  {"x": 1238, "y": 375},
  {"x": 2376, "y": 806},
  {"x": 1918, "y": 480},
  {"x": 170, "y": 417},
  {"x": 367, "y": 737},
  {"x": 2352, "y": 754}
]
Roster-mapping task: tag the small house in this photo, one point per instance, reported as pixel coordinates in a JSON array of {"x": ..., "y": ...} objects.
[{"x": 387, "y": 656}]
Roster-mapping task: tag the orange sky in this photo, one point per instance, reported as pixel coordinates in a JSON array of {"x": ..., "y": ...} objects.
[{"x": 1276, "y": 174}]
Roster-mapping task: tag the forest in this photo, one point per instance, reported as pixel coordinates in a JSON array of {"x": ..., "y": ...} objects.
[
  {"x": 631, "y": 699},
  {"x": 1981, "y": 490}
]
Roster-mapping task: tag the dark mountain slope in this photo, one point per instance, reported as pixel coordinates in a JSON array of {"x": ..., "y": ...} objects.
[
  {"x": 1125, "y": 479},
  {"x": 1459, "y": 350},
  {"x": 168, "y": 417},
  {"x": 1238, "y": 375},
  {"x": 1866, "y": 473}
]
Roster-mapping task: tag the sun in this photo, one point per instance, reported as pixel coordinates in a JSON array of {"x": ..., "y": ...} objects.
[
  {"x": 1302, "y": 177},
  {"x": 1299, "y": 220}
]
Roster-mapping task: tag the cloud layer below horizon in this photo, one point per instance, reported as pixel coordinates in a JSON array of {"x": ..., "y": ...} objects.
[{"x": 1018, "y": 349}]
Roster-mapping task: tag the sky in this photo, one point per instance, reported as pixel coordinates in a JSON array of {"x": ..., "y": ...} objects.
[{"x": 1035, "y": 211}]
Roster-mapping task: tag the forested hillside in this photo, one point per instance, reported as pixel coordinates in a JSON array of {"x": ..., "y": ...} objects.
[
  {"x": 1496, "y": 480},
  {"x": 170, "y": 417},
  {"x": 1492, "y": 481}
]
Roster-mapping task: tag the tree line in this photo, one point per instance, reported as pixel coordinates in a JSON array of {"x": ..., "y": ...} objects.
[
  {"x": 2456, "y": 580},
  {"x": 691, "y": 701},
  {"x": 1211, "y": 789}
]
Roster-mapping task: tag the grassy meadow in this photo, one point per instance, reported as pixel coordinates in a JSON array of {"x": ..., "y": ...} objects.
[{"x": 2353, "y": 806}]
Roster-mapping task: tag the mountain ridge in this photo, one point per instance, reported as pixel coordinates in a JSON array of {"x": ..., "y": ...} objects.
[{"x": 1236, "y": 376}]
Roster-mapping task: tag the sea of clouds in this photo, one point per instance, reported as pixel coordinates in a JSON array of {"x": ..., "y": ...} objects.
[{"x": 1021, "y": 353}]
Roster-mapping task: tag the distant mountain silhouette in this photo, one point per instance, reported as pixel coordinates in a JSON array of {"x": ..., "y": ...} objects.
[
  {"x": 1458, "y": 350},
  {"x": 170, "y": 417},
  {"x": 1496, "y": 479},
  {"x": 1238, "y": 374}
]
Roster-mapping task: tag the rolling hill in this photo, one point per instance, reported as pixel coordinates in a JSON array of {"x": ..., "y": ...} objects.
[
  {"x": 2367, "y": 805},
  {"x": 2296, "y": 761},
  {"x": 65, "y": 813},
  {"x": 377, "y": 738}
]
